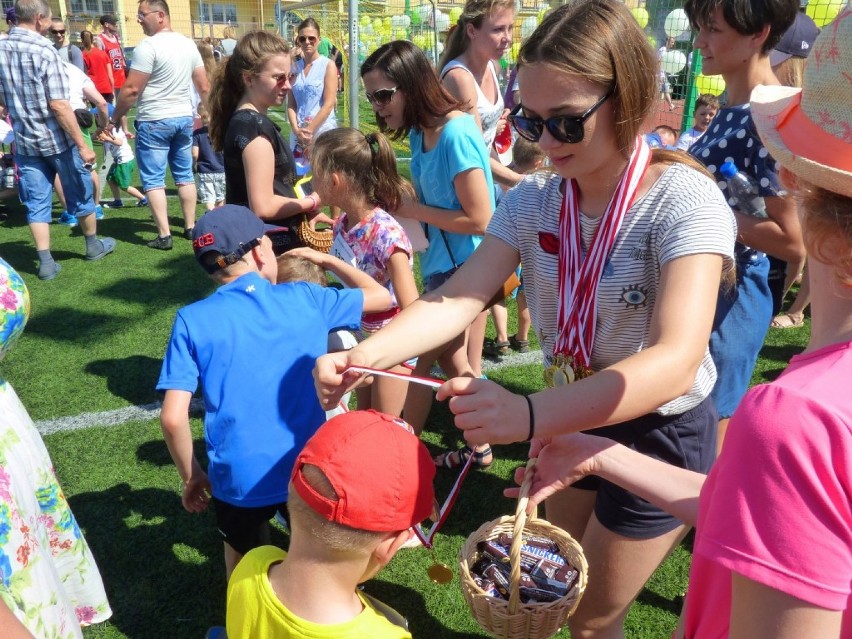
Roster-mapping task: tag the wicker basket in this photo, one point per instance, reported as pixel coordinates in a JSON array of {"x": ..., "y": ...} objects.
[
  {"x": 317, "y": 240},
  {"x": 512, "y": 619}
]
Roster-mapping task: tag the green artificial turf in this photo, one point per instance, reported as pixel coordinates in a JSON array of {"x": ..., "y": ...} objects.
[{"x": 94, "y": 342}]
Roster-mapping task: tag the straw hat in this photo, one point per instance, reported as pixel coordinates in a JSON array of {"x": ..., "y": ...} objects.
[{"x": 809, "y": 130}]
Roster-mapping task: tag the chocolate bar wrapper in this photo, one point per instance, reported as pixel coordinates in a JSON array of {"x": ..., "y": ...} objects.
[
  {"x": 539, "y": 554},
  {"x": 493, "y": 551},
  {"x": 537, "y": 595},
  {"x": 488, "y": 586},
  {"x": 493, "y": 573},
  {"x": 505, "y": 539}
]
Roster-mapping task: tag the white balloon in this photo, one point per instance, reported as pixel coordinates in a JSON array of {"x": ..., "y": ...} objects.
[
  {"x": 528, "y": 26},
  {"x": 368, "y": 30},
  {"x": 677, "y": 23},
  {"x": 406, "y": 21},
  {"x": 442, "y": 21},
  {"x": 673, "y": 62}
]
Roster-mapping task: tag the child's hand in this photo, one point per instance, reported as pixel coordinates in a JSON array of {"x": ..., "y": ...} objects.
[
  {"x": 105, "y": 136},
  {"x": 319, "y": 218},
  {"x": 330, "y": 380},
  {"x": 196, "y": 492},
  {"x": 316, "y": 257}
]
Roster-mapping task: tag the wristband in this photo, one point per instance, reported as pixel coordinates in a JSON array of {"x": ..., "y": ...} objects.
[
  {"x": 314, "y": 198},
  {"x": 531, "y": 433}
]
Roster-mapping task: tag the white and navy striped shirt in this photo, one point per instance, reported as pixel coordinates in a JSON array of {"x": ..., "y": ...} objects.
[
  {"x": 31, "y": 75},
  {"x": 683, "y": 213}
]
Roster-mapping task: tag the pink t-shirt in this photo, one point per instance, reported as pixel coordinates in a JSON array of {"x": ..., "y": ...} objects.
[{"x": 777, "y": 506}]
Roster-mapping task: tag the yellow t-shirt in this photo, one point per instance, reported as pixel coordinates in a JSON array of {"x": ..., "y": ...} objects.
[{"x": 255, "y": 612}]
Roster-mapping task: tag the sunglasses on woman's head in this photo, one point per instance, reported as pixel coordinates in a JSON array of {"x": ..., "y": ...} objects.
[
  {"x": 381, "y": 97},
  {"x": 564, "y": 128},
  {"x": 304, "y": 39}
]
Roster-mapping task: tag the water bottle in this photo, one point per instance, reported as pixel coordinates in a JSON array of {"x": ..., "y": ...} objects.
[
  {"x": 9, "y": 177},
  {"x": 743, "y": 187}
]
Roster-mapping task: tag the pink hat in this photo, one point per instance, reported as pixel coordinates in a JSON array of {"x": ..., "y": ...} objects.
[
  {"x": 809, "y": 130},
  {"x": 381, "y": 471}
]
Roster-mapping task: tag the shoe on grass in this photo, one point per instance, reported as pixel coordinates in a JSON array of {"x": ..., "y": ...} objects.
[
  {"x": 114, "y": 204},
  {"x": 161, "y": 243},
  {"x": 49, "y": 273},
  {"x": 216, "y": 632},
  {"x": 99, "y": 212},
  {"x": 495, "y": 350},
  {"x": 107, "y": 247},
  {"x": 142, "y": 202},
  {"x": 520, "y": 345},
  {"x": 66, "y": 219},
  {"x": 187, "y": 233}
]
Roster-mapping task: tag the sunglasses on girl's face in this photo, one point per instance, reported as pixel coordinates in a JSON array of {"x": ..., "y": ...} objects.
[
  {"x": 58, "y": 33},
  {"x": 564, "y": 128},
  {"x": 381, "y": 97},
  {"x": 308, "y": 39}
]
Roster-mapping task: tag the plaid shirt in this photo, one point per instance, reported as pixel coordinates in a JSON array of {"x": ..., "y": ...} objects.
[{"x": 32, "y": 74}]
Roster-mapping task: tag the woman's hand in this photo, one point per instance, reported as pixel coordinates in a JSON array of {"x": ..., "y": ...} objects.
[
  {"x": 562, "y": 461},
  {"x": 486, "y": 412},
  {"x": 330, "y": 379},
  {"x": 304, "y": 135}
]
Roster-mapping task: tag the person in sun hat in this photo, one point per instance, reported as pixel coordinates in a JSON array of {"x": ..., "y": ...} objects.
[
  {"x": 358, "y": 487},
  {"x": 773, "y": 546},
  {"x": 252, "y": 344}
]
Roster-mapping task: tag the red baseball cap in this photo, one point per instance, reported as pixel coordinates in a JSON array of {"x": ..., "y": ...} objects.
[{"x": 380, "y": 470}]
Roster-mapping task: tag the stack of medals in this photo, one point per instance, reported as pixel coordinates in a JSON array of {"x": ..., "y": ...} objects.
[
  {"x": 545, "y": 574},
  {"x": 564, "y": 370}
]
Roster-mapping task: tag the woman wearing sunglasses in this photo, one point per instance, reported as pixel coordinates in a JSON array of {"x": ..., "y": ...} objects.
[
  {"x": 623, "y": 252},
  {"x": 259, "y": 169},
  {"x": 310, "y": 106},
  {"x": 449, "y": 169}
]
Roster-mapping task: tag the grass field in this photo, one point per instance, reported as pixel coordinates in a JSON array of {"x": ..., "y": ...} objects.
[{"x": 94, "y": 342}]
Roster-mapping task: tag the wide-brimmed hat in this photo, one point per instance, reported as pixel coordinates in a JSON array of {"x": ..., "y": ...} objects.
[{"x": 809, "y": 130}]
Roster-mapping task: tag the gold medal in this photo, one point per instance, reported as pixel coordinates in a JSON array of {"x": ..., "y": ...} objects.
[
  {"x": 439, "y": 573},
  {"x": 564, "y": 370}
]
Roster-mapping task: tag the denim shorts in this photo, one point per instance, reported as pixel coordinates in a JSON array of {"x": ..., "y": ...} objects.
[
  {"x": 211, "y": 187},
  {"x": 687, "y": 441},
  {"x": 437, "y": 279},
  {"x": 739, "y": 328},
  {"x": 159, "y": 142},
  {"x": 35, "y": 187}
]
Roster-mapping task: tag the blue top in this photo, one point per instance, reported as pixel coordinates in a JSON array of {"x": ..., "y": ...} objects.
[
  {"x": 253, "y": 344},
  {"x": 459, "y": 148},
  {"x": 209, "y": 161}
]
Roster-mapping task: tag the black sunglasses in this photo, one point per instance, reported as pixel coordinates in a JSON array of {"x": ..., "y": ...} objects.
[
  {"x": 564, "y": 128},
  {"x": 304, "y": 39},
  {"x": 58, "y": 32},
  {"x": 381, "y": 97}
]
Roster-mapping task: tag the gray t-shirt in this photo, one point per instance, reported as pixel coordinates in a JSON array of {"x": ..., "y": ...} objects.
[
  {"x": 169, "y": 58},
  {"x": 682, "y": 214}
]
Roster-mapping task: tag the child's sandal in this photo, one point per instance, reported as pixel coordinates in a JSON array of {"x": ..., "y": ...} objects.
[
  {"x": 458, "y": 458},
  {"x": 520, "y": 345}
]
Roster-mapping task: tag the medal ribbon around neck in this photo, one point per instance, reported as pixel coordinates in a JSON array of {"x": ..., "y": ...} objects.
[
  {"x": 443, "y": 513},
  {"x": 579, "y": 278}
]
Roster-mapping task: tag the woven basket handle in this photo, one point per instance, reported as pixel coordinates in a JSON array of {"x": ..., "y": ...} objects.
[{"x": 517, "y": 537}]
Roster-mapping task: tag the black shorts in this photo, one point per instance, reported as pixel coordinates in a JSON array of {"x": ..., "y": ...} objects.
[
  {"x": 246, "y": 528},
  {"x": 687, "y": 441}
]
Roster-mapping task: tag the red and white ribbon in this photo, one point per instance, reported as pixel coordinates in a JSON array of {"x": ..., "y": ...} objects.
[{"x": 579, "y": 278}]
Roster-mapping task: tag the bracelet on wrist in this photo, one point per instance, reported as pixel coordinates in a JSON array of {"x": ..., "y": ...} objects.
[{"x": 531, "y": 432}]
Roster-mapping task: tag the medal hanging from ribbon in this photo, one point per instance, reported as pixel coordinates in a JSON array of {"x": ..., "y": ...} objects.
[
  {"x": 439, "y": 573},
  {"x": 579, "y": 278}
]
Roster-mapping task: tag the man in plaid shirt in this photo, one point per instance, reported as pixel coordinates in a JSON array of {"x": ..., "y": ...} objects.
[{"x": 34, "y": 88}]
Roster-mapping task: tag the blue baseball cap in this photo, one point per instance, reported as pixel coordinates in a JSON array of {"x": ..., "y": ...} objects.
[
  {"x": 230, "y": 230},
  {"x": 11, "y": 18},
  {"x": 797, "y": 41}
]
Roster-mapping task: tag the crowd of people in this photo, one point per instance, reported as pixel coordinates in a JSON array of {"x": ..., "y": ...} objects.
[{"x": 648, "y": 281}]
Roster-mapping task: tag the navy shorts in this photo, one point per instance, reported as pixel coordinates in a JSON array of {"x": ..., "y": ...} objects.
[
  {"x": 246, "y": 528},
  {"x": 687, "y": 441}
]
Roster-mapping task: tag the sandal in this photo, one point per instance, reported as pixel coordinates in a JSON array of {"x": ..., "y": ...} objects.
[
  {"x": 520, "y": 345},
  {"x": 496, "y": 349},
  {"x": 788, "y": 320},
  {"x": 458, "y": 458}
]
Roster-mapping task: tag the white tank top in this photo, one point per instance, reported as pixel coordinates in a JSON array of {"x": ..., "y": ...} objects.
[{"x": 489, "y": 113}]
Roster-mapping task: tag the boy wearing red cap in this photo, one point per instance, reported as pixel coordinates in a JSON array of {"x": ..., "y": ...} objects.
[
  {"x": 358, "y": 487},
  {"x": 253, "y": 346}
]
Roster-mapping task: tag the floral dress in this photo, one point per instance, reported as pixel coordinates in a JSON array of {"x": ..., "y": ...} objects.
[{"x": 48, "y": 576}]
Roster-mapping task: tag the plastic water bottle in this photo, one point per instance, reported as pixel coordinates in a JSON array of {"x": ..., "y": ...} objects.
[
  {"x": 743, "y": 187},
  {"x": 9, "y": 177}
]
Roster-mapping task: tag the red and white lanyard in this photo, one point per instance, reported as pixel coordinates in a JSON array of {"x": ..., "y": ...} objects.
[{"x": 579, "y": 278}]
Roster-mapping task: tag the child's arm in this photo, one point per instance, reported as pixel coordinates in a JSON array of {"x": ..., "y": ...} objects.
[
  {"x": 174, "y": 420},
  {"x": 402, "y": 278},
  {"x": 376, "y": 297}
]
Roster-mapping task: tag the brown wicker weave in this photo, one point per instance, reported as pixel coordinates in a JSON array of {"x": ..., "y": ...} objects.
[
  {"x": 317, "y": 240},
  {"x": 513, "y": 619}
]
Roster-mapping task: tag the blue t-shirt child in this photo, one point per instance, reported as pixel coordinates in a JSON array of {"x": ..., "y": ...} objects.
[
  {"x": 209, "y": 161},
  {"x": 253, "y": 345},
  {"x": 460, "y": 148}
]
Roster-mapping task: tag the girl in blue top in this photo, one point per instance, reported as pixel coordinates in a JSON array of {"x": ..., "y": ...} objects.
[{"x": 452, "y": 179}]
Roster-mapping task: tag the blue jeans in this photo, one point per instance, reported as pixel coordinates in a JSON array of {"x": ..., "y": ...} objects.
[
  {"x": 35, "y": 186},
  {"x": 159, "y": 142}
]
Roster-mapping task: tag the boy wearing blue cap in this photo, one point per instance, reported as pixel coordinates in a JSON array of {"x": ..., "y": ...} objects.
[{"x": 253, "y": 345}]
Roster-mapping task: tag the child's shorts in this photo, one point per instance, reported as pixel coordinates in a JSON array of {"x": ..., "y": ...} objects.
[
  {"x": 122, "y": 174},
  {"x": 211, "y": 187},
  {"x": 246, "y": 528},
  {"x": 686, "y": 441}
]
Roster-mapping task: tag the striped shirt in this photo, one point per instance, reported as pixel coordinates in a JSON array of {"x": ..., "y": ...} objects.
[
  {"x": 31, "y": 75},
  {"x": 683, "y": 213}
]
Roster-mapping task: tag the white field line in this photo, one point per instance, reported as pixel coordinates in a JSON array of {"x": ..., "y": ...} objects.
[{"x": 146, "y": 412}]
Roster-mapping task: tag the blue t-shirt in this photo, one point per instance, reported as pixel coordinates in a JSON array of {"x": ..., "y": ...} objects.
[
  {"x": 253, "y": 344},
  {"x": 460, "y": 148},
  {"x": 209, "y": 161}
]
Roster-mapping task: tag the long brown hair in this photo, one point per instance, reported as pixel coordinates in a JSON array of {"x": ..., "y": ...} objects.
[
  {"x": 474, "y": 13},
  {"x": 86, "y": 40},
  {"x": 367, "y": 161},
  {"x": 250, "y": 55},
  {"x": 425, "y": 98}
]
